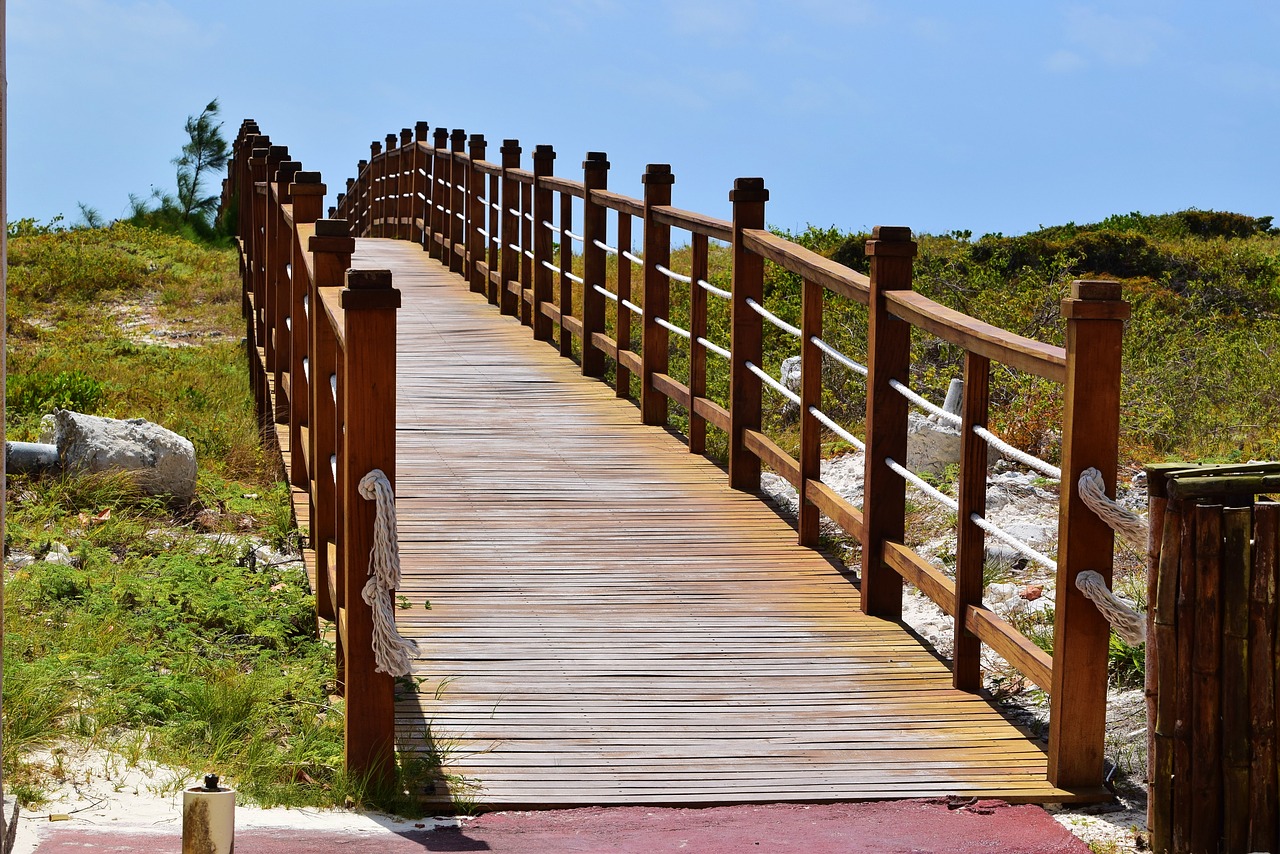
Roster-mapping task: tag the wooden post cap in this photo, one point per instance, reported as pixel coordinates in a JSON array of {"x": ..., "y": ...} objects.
[
  {"x": 1095, "y": 289},
  {"x": 749, "y": 190},
  {"x": 369, "y": 289},
  {"x": 457, "y": 139},
  {"x": 544, "y": 152},
  {"x": 406, "y": 136},
  {"x": 350, "y": 183},
  {"x": 596, "y": 160},
  {"x": 1096, "y": 299},
  {"x": 278, "y": 152},
  {"x": 420, "y": 131},
  {"x": 476, "y": 140},
  {"x": 333, "y": 210},
  {"x": 375, "y": 148},
  {"x": 306, "y": 177},
  {"x": 285, "y": 170},
  {"x": 391, "y": 141},
  {"x": 332, "y": 227},
  {"x": 367, "y": 280},
  {"x": 259, "y": 154},
  {"x": 891, "y": 240},
  {"x": 362, "y": 165},
  {"x": 658, "y": 173},
  {"x": 441, "y": 137}
]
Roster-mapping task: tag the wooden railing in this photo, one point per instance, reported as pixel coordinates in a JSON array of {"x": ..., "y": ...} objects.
[
  {"x": 496, "y": 224},
  {"x": 321, "y": 347}
]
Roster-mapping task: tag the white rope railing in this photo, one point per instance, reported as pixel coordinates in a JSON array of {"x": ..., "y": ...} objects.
[
  {"x": 513, "y": 212},
  {"x": 606, "y": 247},
  {"x": 925, "y": 404},
  {"x": 459, "y": 215},
  {"x": 632, "y": 306},
  {"x": 553, "y": 268},
  {"x": 774, "y": 384},
  {"x": 550, "y": 225},
  {"x": 922, "y": 485},
  {"x": 1047, "y": 469},
  {"x": 632, "y": 258},
  {"x": 837, "y": 429},
  {"x": 715, "y": 348},
  {"x": 838, "y": 356},
  {"x": 1127, "y": 622},
  {"x": 528, "y": 216},
  {"x": 671, "y": 274},
  {"x": 712, "y": 289},
  {"x": 1024, "y": 548},
  {"x": 578, "y": 237},
  {"x": 392, "y": 653},
  {"x": 497, "y": 207},
  {"x": 610, "y": 294},
  {"x": 683, "y": 333},
  {"x": 773, "y": 318}
]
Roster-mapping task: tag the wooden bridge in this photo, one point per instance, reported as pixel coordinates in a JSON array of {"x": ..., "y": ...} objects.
[{"x": 603, "y": 617}]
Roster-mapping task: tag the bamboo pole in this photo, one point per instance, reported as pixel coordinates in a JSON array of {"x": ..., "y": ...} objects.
[{"x": 1263, "y": 667}]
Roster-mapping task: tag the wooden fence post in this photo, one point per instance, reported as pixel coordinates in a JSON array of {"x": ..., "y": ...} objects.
[
  {"x": 457, "y": 201},
  {"x": 810, "y": 461},
  {"x": 544, "y": 157},
  {"x": 377, "y": 185},
  {"x": 369, "y": 303},
  {"x": 657, "y": 289},
  {"x": 420, "y": 189},
  {"x": 331, "y": 248},
  {"x": 595, "y": 224},
  {"x": 439, "y": 199},
  {"x": 1095, "y": 315},
  {"x": 748, "y": 197},
  {"x": 308, "y": 200},
  {"x": 404, "y": 185},
  {"x": 971, "y": 550},
  {"x": 361, "y": 204},
  {"x": 279, "y": 255},
  {"x": 510, "y": 258},
  {"x": 889, "y": 358},
  {"x": 476, "y": 210},
  {"x": 697, "y": 350}
]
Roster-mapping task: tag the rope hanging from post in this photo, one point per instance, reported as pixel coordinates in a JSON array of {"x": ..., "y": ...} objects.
[
  {"x": 1126, "y": 622},
  {"x": 1123, "y": 521},
  {"x": 391, "y": 651}
]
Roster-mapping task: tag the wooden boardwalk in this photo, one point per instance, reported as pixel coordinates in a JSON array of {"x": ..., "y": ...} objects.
[{"x": 610, "y": 623}]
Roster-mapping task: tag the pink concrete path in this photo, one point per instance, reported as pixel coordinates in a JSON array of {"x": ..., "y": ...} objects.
[{"x": 929, "y": 826}]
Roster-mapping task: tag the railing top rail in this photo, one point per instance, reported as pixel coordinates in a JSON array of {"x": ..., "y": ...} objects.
[
  {"x": 717, "y": 229},
  {"x": 832, "y": 275},
  {"x": 618, "y": 202},
  {"x": 563, "y": 185},
  {"x": 331, "y": 302},
  {"x": 1026, "y": 354},
  {"x": 488, "y": 168},
  {"x": 302, "y": 234}
]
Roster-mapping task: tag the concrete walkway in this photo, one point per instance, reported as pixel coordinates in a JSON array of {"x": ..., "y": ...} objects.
[{"x": 893, "y": 827}]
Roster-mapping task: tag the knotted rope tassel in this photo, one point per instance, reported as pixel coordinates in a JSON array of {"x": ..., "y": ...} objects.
[
  {"x": 391, "y": 651},
  {"x": 1123, "y": 521},
  {"x": 1126, "y": 622}
]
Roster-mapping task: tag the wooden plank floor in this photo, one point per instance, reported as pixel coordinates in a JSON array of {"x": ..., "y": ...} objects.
[{"x": 611, "y": 624}]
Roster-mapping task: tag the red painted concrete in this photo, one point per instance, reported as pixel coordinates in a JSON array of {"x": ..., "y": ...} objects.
[{"x": 896, "y": 827}]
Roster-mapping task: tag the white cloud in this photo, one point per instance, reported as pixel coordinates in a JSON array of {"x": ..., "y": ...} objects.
[
  {"x": 1064, "y": 61},
  {"x": 1111, "y": 39}
]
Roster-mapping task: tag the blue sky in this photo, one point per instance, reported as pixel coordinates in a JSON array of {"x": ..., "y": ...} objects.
[{"x": 995, "y": 116}]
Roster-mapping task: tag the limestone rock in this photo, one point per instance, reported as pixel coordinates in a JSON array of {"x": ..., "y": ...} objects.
[{"x": 161, "y": 461}]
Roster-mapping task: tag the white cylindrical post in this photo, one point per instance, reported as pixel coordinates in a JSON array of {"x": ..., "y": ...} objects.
[{"x": 208, "y": 818}]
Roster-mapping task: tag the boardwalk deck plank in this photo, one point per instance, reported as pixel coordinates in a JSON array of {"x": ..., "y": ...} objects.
[{"x": 609, "y": 623}]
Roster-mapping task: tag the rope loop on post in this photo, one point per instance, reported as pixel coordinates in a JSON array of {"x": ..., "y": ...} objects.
[
  {"x": 1128, "y": 623},
  {"x": 1126, "y": 523},
  {"x": 392, "y": 652}
]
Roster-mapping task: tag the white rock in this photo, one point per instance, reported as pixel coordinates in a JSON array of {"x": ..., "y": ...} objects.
[
  {"x": 161, "y": 461},
  {"x": 931, "y": 447},
  {"x": 59, "y": 553}
]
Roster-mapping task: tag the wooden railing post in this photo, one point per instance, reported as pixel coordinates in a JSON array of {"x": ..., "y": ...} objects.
[
  {"x": 811, "y": 298},
  {"x": 457, "y": 201},
  {"x": 276, "y": 302},
  {"x": 595, "y": 224},
  {"x": 544, "y": 157},
  {"x": 308, "y": 202},
  {"x": 361, "y": 205},
  {"x": 390, "y": 186},
  {"x": 971, "y": 550},
  {"x": 439, "y": 198},
  {"x": 404, "y": 185},
  {"x": 331, "y": 247},
  {"x": 1095, "y": 315},
  {"x": 657, "y": 250},
  {"x": 510, "y": 258},
  {"x": 420, "y": 189},
  {"x": 369, "y": 303},
  {"x": 476, "y": 210},
  {"x": 377, "y": 169},
  {"x": 891, "y": 250},
  {"x": 697, "y": 351},
  {"x": 747, "y": 197}
]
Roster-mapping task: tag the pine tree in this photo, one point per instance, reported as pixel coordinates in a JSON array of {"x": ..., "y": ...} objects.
[{"x": 205, "y": 152}]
